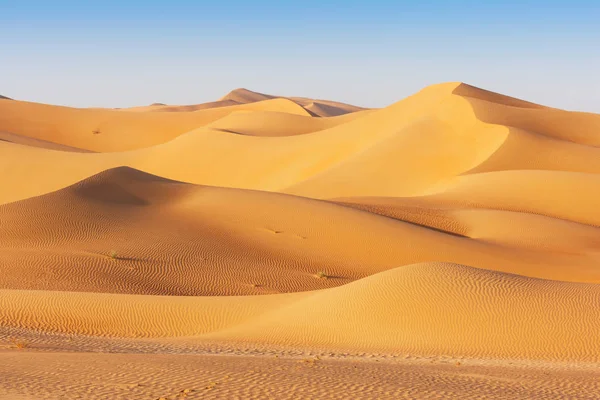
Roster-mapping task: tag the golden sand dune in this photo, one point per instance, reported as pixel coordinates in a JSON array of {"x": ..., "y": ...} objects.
[
  {"x": 437, "y": 132},
  {"x": 456, "y": 222},
  {"x": 243, "y": 96},
  {"x": 268, "y": 123},
  {"x": 320, "y": 108},
  {"x": 317, "y": 165},
  {"x": 549, "y": 193},
  {"x": 159, "y": 107},
  {"x": 577, "y": 127},
  {"x": 171, "y": 238},
  {"x": 325, "y": 108},
  {"x": 423, "y": 308},
  {"x": 31, "y": 170},
  {"x": 113, "y": 130}
]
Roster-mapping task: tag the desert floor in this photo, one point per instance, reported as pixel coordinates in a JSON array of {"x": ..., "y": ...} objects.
[{"x": 264, "y": 247}]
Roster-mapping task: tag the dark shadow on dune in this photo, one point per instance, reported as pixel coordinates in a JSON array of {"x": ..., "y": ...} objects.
[
  {"x": 365, "y": 208},
  {"x": 44, "y": 144}
]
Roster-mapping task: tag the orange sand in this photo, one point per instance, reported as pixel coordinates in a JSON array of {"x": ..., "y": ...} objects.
[{"x": 457, "y": 224}]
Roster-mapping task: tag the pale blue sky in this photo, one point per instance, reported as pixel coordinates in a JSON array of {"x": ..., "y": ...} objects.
[{"x": 125, "y": 53}]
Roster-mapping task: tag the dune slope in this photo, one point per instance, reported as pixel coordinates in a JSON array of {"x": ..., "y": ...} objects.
[
  {"x": 125, "y": 231},
  {"x": 424, "y": 308}
]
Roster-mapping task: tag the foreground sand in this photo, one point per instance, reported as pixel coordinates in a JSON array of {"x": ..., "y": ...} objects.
[
  {"x": 59, "y": 366},
  {"x": 277, "y": 376},
  {"x": 446, "y": 246}
]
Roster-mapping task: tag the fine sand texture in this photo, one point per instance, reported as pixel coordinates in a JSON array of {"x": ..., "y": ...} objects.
[{"x": 266, "y": 247}]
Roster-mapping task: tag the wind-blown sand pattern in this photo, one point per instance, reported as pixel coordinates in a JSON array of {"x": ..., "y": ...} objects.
[{"x": 446, "y": 246}]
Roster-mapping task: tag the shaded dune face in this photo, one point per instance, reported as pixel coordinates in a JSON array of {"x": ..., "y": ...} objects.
[
  {"x": 456, "y": 221},
  {"x": 27, "y": 141}
]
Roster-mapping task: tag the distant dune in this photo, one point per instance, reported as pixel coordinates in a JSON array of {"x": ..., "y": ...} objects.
[
  {"x": 320, "y": 108},
  {"x": 316, "y": 108},
  {"x": 455, "y": 223}
]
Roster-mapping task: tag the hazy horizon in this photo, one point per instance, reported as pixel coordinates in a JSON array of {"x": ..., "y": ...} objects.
[{"x": 107, "y": 54}]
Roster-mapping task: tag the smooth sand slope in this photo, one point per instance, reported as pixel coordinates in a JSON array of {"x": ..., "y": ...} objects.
[{"x": 455, "y": 223}]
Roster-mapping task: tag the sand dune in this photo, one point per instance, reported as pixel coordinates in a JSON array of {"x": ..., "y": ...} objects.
[
  {"x": 570, "y": 126},
  {"x": 547, "y": 193},
  {"x": 32, "y": 170},
  {"x": 113, "y": 130},
  {"x": 242, "y": 96},
  {"x": 457, "y": 222},
  {"x": 319, "y": 108},
  {"x": 267, "y": 123},
  {"x": 12, "y": 138},
  {"x": 326, "y": 108},
  {"x": 364, "y": 148},
  {"x": 171, "y": 238},
  {"x": 423, "y": 308},
  {"x": 159, "y": 107},
  {"x": 450, "y": 138},
  {"x": 500, "y": 226}
]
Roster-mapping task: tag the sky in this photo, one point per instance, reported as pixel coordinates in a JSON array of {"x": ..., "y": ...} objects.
[{"x": 369, "y": 53}]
